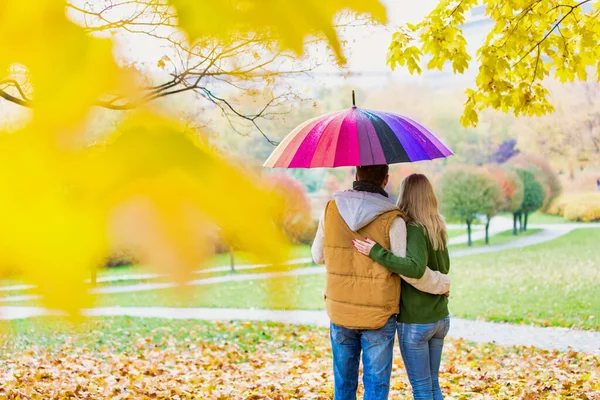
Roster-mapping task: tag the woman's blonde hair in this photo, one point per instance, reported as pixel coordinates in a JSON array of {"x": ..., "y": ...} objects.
[{"x": 417, "y": 200}]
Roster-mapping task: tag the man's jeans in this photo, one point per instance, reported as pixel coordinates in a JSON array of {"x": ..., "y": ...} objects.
[
  {"x": 377, "y": 348},
  {"x": 421, "y": 347}
]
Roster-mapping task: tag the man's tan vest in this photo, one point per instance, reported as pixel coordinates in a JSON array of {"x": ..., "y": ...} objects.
[{"x": 359, "y": 293}]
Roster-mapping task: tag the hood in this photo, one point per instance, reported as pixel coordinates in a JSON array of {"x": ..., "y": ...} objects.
[{"x": 359, "y": 209}]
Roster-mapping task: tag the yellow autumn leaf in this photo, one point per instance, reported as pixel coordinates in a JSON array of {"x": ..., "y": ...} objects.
[
  {"x": 184, "y": 190},
  {"x": 288, "y": 22},
  {"x": 525, "y": 43},
  {"x": 47, "y": 235},
  {"x": 68, "y": 69}
]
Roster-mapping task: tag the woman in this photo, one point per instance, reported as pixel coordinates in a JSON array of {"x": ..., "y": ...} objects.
[{"x": 424, "y": 320}]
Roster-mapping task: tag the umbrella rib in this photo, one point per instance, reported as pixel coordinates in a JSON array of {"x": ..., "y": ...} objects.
[
  {"x": 364, "y": 117},
  {"x": 411, "y": 122},
  {"x": 402, "y": 121},
  {"x": 389, "y": 140},
  {"x": 332, "y": 117}
]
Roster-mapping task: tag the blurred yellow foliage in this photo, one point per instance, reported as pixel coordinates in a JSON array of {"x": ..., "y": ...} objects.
[
  {"x": 288, "y": 21},
  {"x": 150, "y": 186},
  {"x": 583, "y": 206}
]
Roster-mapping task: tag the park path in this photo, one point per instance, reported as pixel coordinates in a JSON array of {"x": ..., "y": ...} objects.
[
  {"x": 562, "y": 339},
  {"x": 548, "y": 232},
  {"x": 497, "y": 225}
]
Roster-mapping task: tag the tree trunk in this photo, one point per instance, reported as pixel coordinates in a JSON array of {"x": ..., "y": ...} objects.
[
  {"x": 515, "y": 224},
  {"x": 231, "y": 260},
  {"x": 469, "y": 242},
  {"x": 525, "y": 222},
  {"x": 487, "y": 230},
  {"x": 520, "y": 222},
  {"x": 94, "y": 276}
]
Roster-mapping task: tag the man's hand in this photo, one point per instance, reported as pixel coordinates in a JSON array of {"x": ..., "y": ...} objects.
[
  {"x": 447, "y": 294},
  {"x": 364, "y": 246}
]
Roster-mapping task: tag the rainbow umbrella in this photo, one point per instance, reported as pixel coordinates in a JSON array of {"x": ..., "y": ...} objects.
[{"x": 356, "y": 137}]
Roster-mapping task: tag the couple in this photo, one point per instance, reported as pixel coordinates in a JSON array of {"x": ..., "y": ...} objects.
[{"x": 387, "y": 271}]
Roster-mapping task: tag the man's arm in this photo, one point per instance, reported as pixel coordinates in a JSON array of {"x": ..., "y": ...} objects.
[
  {"x": 317, "y": 246},
  {"x": 433, "y": 282}
]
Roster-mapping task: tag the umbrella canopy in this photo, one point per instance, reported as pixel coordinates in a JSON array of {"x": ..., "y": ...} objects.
[{"x": 356, "y": 137}]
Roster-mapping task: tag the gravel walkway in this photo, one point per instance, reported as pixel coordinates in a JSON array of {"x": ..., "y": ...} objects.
[{"x": 476, "y": 331}]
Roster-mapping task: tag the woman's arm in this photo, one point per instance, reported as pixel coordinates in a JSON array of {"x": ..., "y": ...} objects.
[
  {"x": 415, "y": 263},
  {"x": 433, "y": 282}
]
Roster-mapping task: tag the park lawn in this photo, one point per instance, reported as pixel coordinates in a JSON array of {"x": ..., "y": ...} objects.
[
  {"x": 136, "y": 358},
  {"x": 499, "y": 238},
  {"x": 456, "y": 232},
  {"x": 241, "y": 258},
  {"x": 550, "y": 284}
]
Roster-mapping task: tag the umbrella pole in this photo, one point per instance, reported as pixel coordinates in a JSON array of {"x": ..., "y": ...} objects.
[{"x": 353, "y": 99}]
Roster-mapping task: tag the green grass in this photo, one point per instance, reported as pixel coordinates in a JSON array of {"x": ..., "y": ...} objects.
[
  {"x": 551, "y": 284},
  {"x": 502, "y": 237},
  {"x": 241, "y": 258},
  {"x": 119, "y": 334},
  {"x": 456, "y": 232}
]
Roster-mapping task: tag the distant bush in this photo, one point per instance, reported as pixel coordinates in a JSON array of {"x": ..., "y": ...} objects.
[
  {"x": 544, "y": 174},
  {"x": 296, "y": 219},
  {"x": 583, "y": 207},
  {"x": 120, "y": 258},
  {"x": 511, "y": 185},
  {"x": 466, "y": 192},
  {"x": 505, "y": 151},
  {"x": 533, "y": 195}
]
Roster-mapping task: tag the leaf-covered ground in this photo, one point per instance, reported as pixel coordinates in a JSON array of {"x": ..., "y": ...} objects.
[{"x": 125, "y": 358}]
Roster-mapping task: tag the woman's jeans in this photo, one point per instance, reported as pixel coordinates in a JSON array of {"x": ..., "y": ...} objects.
[
  {"x": 421, "y": 348},
  {"x": 377, "y": 348}
]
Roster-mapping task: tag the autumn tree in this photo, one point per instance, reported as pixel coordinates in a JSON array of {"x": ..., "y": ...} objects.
[
  {"x": 511, "y": 187},
  {"x": 505, "y": 151},
  {"x": 544, "y": 174},
  {"x": 467, "y": 192},
  {"x": 569, "y": 138},
  {"x": 529, "y": 41},
  {"x": 295, "y": 217},
  {"x": 533, "y": 196}
]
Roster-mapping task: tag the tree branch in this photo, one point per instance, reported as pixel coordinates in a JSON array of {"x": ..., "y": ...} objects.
[
  {"x": 572, "y": 9},
  {"x": 14, "y": 99}
]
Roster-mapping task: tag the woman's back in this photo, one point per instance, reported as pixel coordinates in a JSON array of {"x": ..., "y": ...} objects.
[{"x": 418, "y": 307}]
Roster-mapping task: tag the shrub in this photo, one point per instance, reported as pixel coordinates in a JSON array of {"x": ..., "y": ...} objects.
[
  {"x": 296, "y": 219},
  {"x": 120, "y": 258},
  {"x": 533, "y": 195},
  {"x": 511, "y": 186},
  {"x": 467, "y": 191},
  {"x": 583, "y": 207},
  {"x": 544, "y": 174}
]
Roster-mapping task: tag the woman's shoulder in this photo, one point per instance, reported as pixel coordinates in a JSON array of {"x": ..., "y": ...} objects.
[{"x": 415, "y": 227}]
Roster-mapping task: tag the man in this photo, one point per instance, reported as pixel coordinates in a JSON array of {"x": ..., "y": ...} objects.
[{"x": 362, "y": 297}]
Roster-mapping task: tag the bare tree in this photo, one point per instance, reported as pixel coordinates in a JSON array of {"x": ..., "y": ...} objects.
[{"x": 214, "y": 70}]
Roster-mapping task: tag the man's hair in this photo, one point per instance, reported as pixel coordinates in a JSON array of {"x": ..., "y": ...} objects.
[{"x": 373, "y": 173}]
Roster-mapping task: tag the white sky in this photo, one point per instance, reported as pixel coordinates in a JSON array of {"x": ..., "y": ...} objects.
[{"x": 366, "y": 50}]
